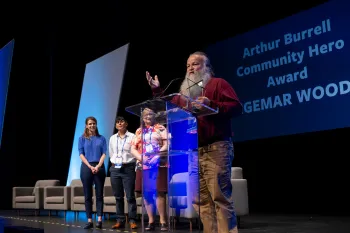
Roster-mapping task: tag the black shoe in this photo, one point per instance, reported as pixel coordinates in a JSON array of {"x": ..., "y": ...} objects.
[
  {"x": 89, "y": 225},
  {"x": 163, "y": 227},
  {"x": 99, "y": 225},
  {"x": 150, "y": 227}
]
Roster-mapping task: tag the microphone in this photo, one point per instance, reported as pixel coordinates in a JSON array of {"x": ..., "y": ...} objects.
[
  {"x": 161, "y": 94},
  {"x": 199, "y": 83}
]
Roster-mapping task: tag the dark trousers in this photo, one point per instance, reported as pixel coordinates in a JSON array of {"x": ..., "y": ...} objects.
[
  {"x": 124, "y": 179},
  {"x": 88, "y": 179}
]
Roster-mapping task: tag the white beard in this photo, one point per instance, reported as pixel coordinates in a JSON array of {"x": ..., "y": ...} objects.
[{"x": 197, "y": 89}]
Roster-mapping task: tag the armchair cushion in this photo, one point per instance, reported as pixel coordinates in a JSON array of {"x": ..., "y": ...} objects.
[
  {"x": 109, "y": 200},
  {"x": 54, "y": 200},
  {"x": 79, "y": 200},
  {"x": 25, "y": 199}
]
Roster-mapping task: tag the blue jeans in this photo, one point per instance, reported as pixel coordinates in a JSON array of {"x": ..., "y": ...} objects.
[{"x": 88, "y": 179}]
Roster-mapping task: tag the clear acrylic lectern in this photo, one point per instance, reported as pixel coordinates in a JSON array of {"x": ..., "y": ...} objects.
[{"x": 168, "y": 144}]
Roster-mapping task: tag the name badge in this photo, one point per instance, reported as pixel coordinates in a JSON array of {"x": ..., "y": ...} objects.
[
  {"x": 118, "y": 161},
  {"x": 149, "y": 148}
]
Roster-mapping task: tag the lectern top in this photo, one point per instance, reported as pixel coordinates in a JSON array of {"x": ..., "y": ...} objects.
[{"x": 173, "y": 103}]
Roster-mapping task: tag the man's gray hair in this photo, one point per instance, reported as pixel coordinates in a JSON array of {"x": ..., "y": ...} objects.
[{"x": 206, "y": 61}]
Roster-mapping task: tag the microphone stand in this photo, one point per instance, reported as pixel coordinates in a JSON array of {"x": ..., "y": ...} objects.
[
  {"x": 199, "y": 83},
  {"x": 161, "y": 94}
]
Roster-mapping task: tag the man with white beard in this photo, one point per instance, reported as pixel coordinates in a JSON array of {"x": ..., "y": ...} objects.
[
  {"x": 194, "y": 83},
  {"x": 215, "y": 151}
]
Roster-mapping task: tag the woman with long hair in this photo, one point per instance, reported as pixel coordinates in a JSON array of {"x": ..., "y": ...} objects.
[{"x": 92, "y": 150}]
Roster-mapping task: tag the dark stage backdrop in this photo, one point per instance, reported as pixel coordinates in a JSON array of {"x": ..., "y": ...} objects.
[
  {"x": 26, "y": 135},
  {"x": 305, "y": 173}
]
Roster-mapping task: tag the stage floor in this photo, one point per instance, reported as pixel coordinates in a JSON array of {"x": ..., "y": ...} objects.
[{"x": 249, "y": 224}]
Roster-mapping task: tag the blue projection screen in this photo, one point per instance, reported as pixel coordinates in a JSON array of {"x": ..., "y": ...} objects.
[
  {"x": 99, "y": 98},
  {"x": 292, "y": 76},
  {"x": 5, "y": 69}
]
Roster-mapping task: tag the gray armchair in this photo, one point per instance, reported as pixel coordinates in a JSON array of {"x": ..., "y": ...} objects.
[
  {"x": 57, "y": 198},
  {"x": 180, "y": 201},
  {"x": 109, "y": 205},
  {"x": 78, "y": 198},
  {"x": 239, "y": 193},
  {"x": 31, "y": 197},
  {"x": 181, "y": 205}
]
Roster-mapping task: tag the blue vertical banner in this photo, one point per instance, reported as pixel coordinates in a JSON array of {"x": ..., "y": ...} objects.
[
  {"x": 100, "y": 95},
  {"x": 6, "y": 54}
]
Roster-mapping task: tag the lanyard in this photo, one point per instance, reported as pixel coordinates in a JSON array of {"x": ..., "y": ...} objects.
[
  {"x": 122, "y": 146},
  {"x": 150, "y": 137}
]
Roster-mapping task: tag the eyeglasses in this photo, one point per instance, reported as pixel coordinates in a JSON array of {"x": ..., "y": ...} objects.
[{"x": 149, "y": 114}]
